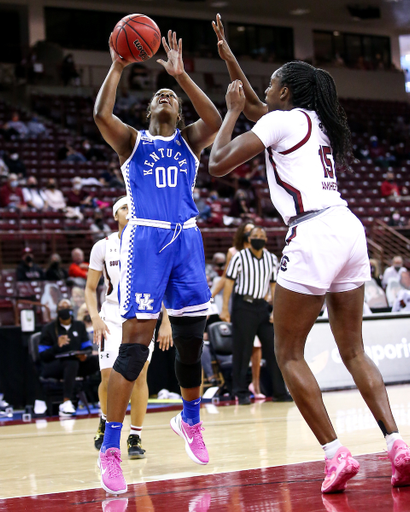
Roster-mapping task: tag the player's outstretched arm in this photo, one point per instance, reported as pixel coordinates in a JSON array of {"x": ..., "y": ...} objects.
[
  {"x": 254, "y": 108},
  {"x": 99, "y": 327},
  {"x": 200, "y": 134},
  {"x": 227, "y": 154},
  {"x": 117, "y": 134}
]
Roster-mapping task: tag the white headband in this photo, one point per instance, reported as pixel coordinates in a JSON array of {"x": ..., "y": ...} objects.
[{"x": 118, "y": 204}]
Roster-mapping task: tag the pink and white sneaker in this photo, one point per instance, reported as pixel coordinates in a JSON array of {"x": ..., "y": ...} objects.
[
  {"x": 339, "y": 470},
  {"x": 399, "y": 457},
  {"x": 194, "y": 443},
  {"x": 112, "y": 479}
]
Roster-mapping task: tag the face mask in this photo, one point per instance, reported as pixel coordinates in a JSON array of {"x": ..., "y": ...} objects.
[
  {"x": 51, "y": 186},
  {"x": 397, "y": 268},
  {"x": 372, "y": 270},
  {"x": 77, "y": 187},
  {"x": 13, "y": 183},
  {"x": 258, "y": 243},
  {"x": 32, "y": 186},
  {"x": 396, "y": 216},
  {"x": 246, "y": 237},
  {"x": 213, "y": 197},
  {"x": 86, "y": 146},
  {"x": 196, "y": 195},
  {"x": 87, "y": 318},
  {"x": 28, "y": 259},
  {"x": 65, "y": 314}
]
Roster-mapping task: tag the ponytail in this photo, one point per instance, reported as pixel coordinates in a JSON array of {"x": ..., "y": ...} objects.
[{"x": 315, "y": 89}]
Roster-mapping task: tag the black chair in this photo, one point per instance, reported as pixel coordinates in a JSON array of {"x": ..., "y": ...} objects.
[
  {"x": 220, "y": 339},
  {"x": 53, "y": 388}
]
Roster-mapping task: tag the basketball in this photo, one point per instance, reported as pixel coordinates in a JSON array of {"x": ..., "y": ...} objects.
[{"x": 136, "y": 38}]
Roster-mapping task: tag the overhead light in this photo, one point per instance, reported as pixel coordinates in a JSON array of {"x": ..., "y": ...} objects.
[
  {"x": 300, "y": 11},
  {"x": 240, "y": 28},
  {"x": 336, "y": 33}
]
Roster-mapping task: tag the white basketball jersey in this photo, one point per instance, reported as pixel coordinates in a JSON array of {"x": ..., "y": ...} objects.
[
  {"x": 105, "y": 257},
  {"x": 299, "y": 162}
]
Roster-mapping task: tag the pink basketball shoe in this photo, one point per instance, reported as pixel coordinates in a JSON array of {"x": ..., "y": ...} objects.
[
  {"x": 339, "y": 470},
  {"x": 399, "y": 457},
  {"x": 194, "y": 443},
  {"x": 112, "y": 479}
]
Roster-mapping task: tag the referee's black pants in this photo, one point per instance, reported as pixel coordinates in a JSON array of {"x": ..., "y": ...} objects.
[{"x": 250, "y": 319}]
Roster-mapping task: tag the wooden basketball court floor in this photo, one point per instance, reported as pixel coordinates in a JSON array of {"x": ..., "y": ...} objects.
[{"x": 263, "y": 458}]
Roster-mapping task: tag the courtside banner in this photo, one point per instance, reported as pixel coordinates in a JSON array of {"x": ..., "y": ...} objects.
[{"x": 386, "y": 339}]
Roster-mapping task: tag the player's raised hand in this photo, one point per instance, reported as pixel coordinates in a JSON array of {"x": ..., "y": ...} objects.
[
  {"x": 173, "y": 48},
  {"x": 223, "y": 47},
  {"x": 114, "y": 55},
  {"x": 235, "y": 97},
  {"x": 100, "y": 329}
]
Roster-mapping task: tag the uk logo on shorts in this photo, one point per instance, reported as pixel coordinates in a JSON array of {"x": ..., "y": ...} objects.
[
  {"x": 144, "y": 301},
  {"x": 284, "y": 263}
]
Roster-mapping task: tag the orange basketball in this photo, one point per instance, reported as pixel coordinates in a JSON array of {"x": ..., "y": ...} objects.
[{"x": 136, "y": 38}]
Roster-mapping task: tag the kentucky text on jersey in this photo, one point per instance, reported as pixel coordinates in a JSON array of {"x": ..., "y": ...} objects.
[{"x": 160, "y": 177}]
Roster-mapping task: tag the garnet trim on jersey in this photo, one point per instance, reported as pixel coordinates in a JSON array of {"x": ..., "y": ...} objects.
[
  {"x": 304, "y": 140},
  {"x": 297, "y": 198},
  {"x": 292, "y": 235}
]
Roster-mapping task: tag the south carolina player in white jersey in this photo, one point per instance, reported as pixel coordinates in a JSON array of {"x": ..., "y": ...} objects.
[
  {"x": 107, "y": 325},
  {"x": 303, "y": 130},
  {"x": 162, "y": 256}
]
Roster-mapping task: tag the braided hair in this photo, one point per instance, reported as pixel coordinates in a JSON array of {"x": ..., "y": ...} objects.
[{"x": 315, "y": 89}]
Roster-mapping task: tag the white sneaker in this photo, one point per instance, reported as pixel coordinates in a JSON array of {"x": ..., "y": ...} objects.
[
  {"x": 40, "y": 407},
  {"x": 66, "y": 409}
]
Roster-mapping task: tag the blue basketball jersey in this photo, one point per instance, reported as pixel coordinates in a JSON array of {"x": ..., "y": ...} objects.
[{"x": 160, "y": 177}]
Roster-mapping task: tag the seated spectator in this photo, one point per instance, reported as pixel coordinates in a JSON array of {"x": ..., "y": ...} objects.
[
  {"x": 92, "y": 153},
  {"x": 77, "y": 197},
  {"x": 7, "y": 132},
  {"x": 55, "y": 272},
  {"x": 79, "y": 268},
  {"x": 240, "y": 204},
  {"x": 389, "y": 187},
  {"x": 402, "y": 302},
  {"x": 33, "y": 197},
  {"x": 375, "y": 271},
  {"x": 16, "y": 165},
  {"x": 69, "y": 73},
  {"x": 60, "y": 338},
  {"x": 99, "y": 227},
  {"x": 36, "y": 128},
  {"x": 54, "y": 197},
  {"x": 393, "y": 272},
  {"x": 50, "y": 298},
  {"x": 27, "y": 270},
  {"x": 203, "y": 208},
  {"x": 77, "y": 298},
  {"x": 374, "y": 294},
  {"x": 11, "y": 195},
  {"x": 68, "y": 154},
  {"x": 18, "y": 126},
  {"x": 216, "y": 217},
  {"x": 396, "y": 220},
  {"x": 112, "y": 177}
]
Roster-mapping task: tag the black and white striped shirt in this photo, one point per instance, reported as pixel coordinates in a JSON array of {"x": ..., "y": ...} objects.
[{"x": 252, "y": 275}]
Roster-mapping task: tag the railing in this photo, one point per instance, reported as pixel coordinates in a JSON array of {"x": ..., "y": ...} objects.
[{"x": 390, "y": 241}]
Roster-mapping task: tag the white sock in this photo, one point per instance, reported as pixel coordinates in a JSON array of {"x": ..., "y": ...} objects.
[
  {"x": 103, "y": 416},
  {"x": 136, "y": 431},
  {"x": 331, "y": 448},
  {"x": 391, "y": 438}
]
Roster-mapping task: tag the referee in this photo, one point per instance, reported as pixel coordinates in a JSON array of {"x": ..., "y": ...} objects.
[{"x": 252, "y": 271}]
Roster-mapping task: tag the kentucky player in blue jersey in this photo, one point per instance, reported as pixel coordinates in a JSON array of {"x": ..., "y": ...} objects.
[{"x": 162, "y": 257}]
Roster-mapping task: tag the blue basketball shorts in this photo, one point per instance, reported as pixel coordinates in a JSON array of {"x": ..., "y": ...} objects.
[{"x": 162, "y": 265}]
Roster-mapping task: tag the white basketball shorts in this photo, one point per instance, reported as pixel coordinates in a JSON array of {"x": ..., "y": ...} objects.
[
  {"x": 327, "y": 253},
  {"x": 110, "y": 344}
]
